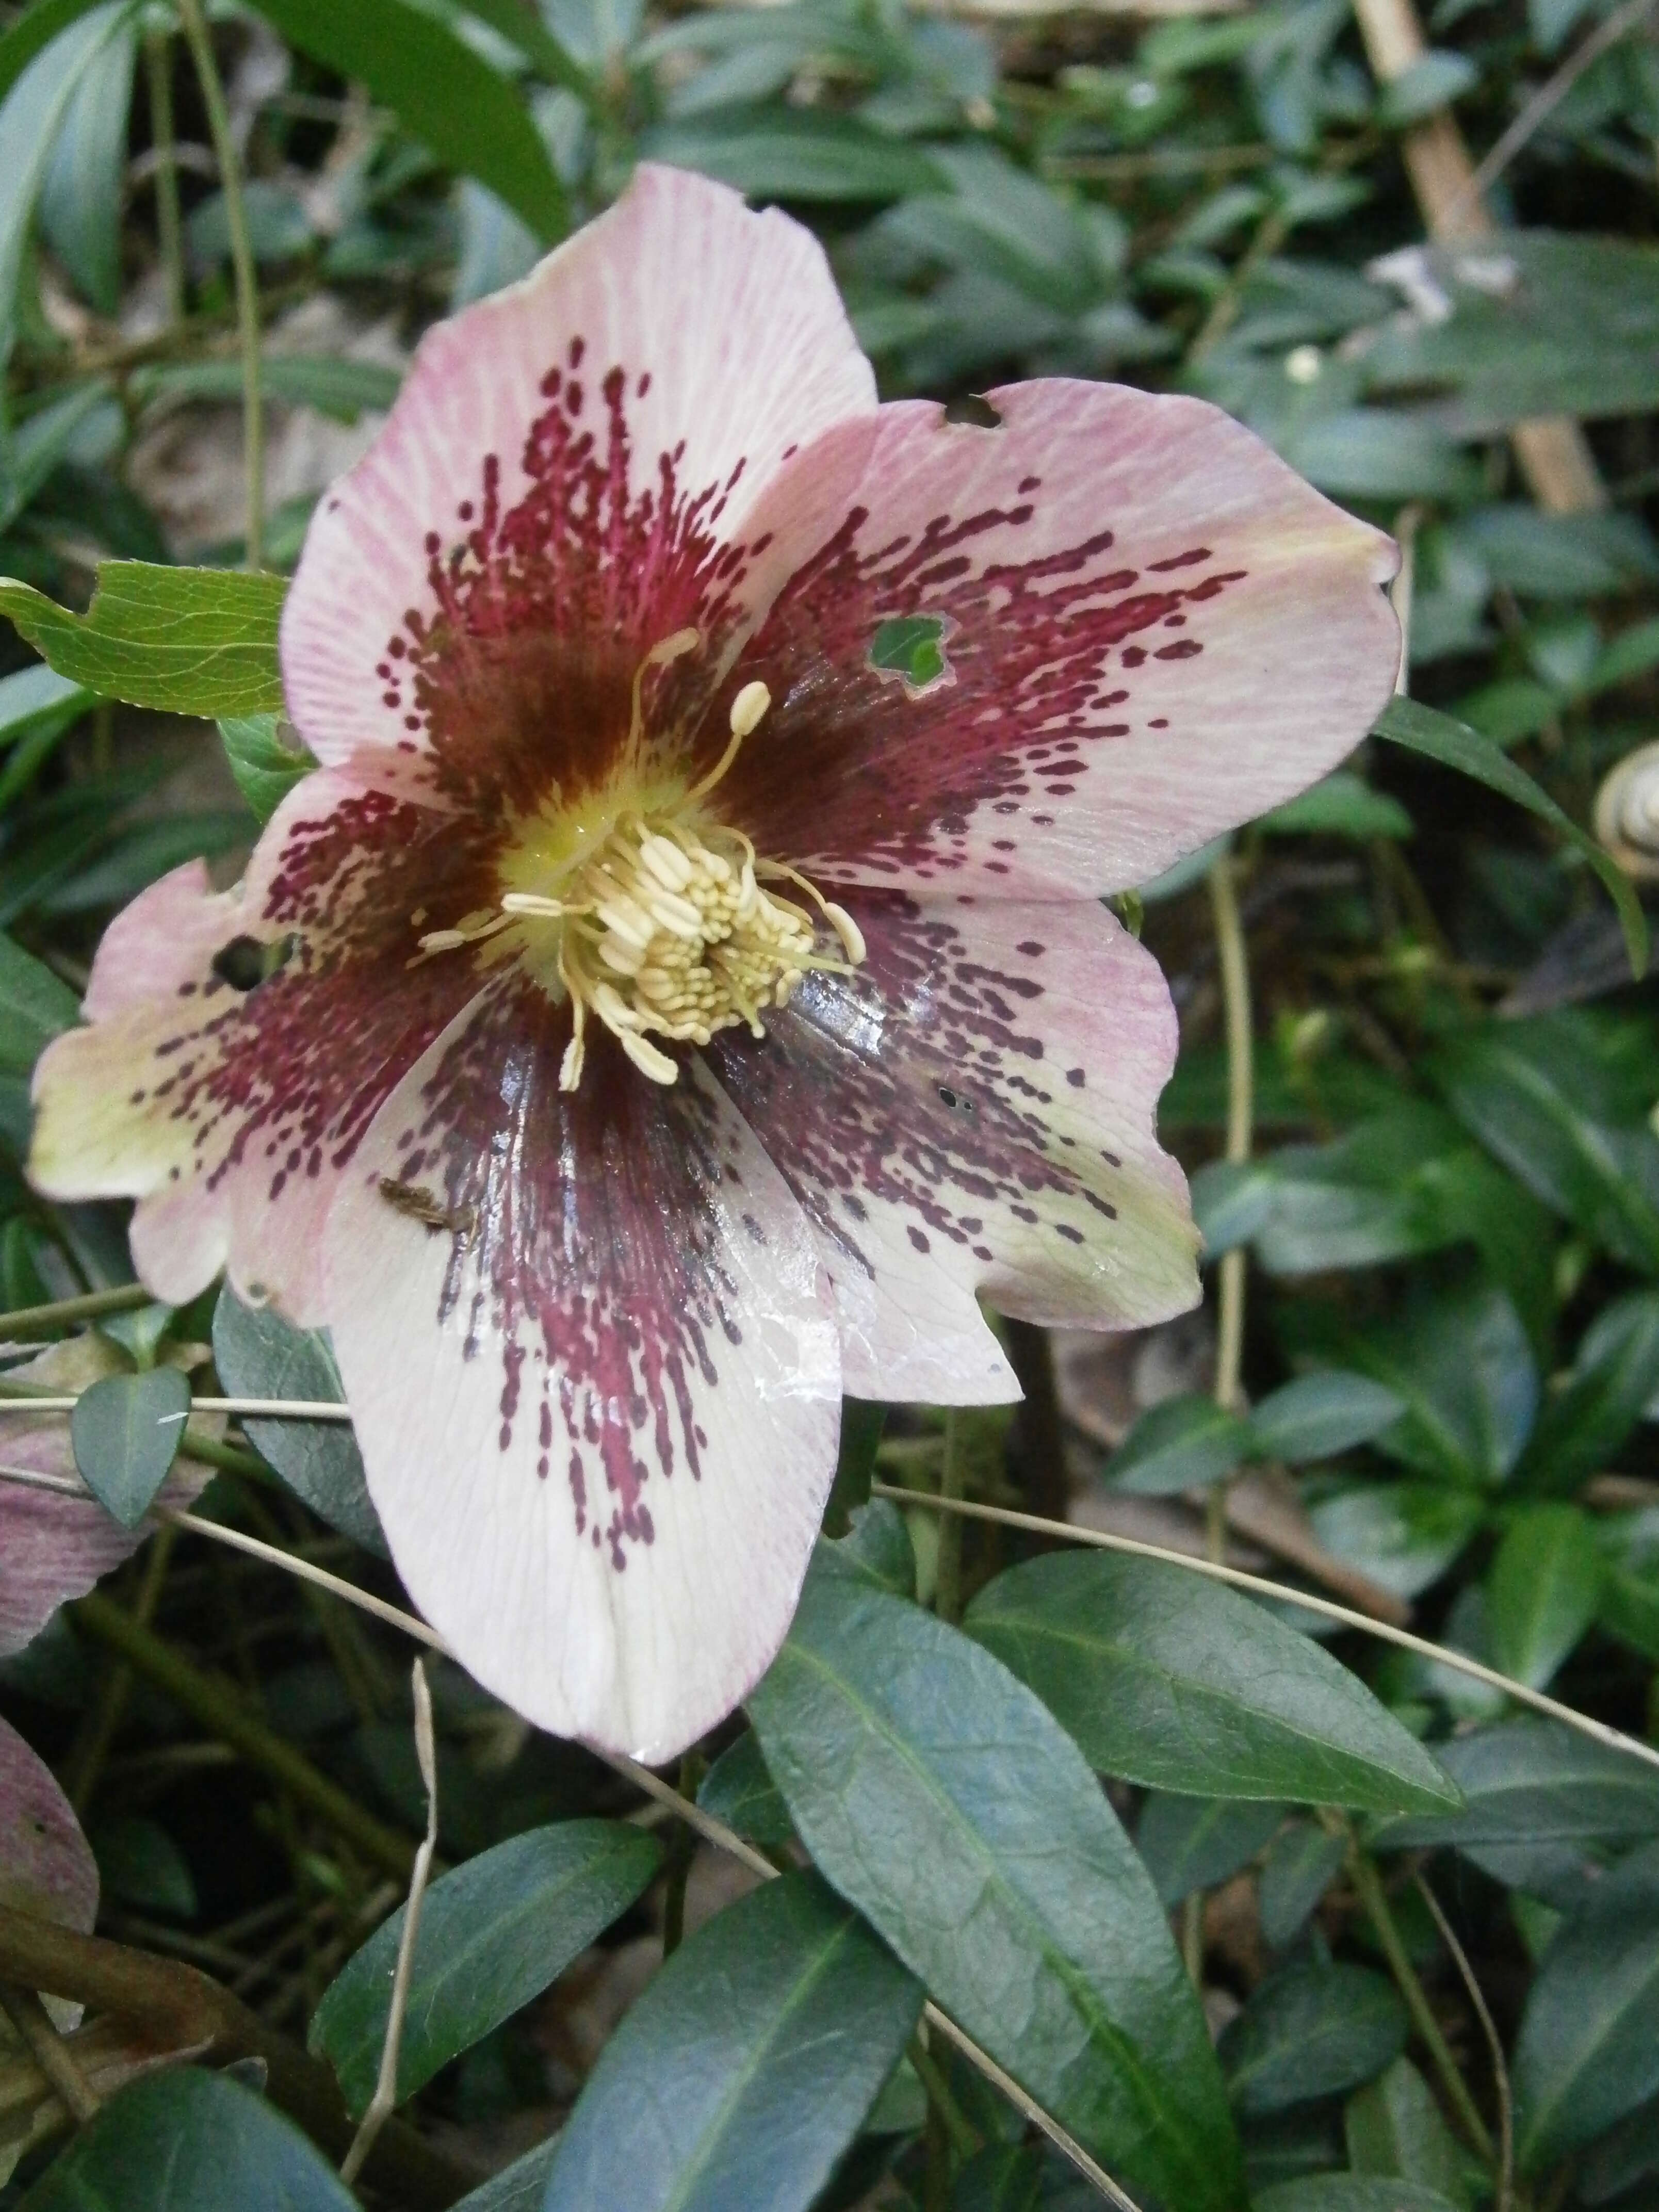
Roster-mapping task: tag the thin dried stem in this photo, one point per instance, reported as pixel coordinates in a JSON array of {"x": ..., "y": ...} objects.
[
  {"x": 383, "y": 2102},
  {"x": 1504, "y": 2193},
  {"x": 37, "y": 2033},
  {"x": 263, "y": 1409},
  {"x": 1443, "y": 1655}
]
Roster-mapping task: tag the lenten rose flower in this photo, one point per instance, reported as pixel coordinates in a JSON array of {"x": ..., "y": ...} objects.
[{"x": 673, "y": 1003}]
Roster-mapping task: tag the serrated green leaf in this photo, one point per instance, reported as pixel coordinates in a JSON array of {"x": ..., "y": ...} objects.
[
  {"x": 1420, "y": 730},
  {"x": 739, "y": 2077},
  {"x": 126, "y": 1431},
  {"x": 1166, "y": 1679},
  {"x": 493, "y": 1934},
  {"x": 466, "y": 113},
  {"x": 189, "y": 2141},
  {"x": 186, "y": 641},
  {"x": 265, "y": 765},
  {"x": 939, "y": 1797}
]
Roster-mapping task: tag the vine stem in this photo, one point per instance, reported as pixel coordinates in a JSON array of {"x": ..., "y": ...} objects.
[
  {"x": 1368, "y": 1884},
  {"x": 241, "y": 262},
  {"x": 23, "y": 1321},
  {"x": 169, "y": 226},
  {"x": 1504, "y": 2198}
]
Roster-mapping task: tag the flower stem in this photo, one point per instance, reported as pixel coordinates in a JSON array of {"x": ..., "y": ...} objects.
[
  {"x": 947, "y": 1579},
  {"x": 169, "y": 226},
  {"x": 223, "y": 1712},
  {"x": 1368, "y": 1886},
  {"x": 241, "y": 262},
  {"x": 63, "y": 1313}
]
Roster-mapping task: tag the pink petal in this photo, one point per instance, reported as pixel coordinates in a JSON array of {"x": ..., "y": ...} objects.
[
  {"x": 562, "y": 483},
  {"x": 598, "y": 1411},
  {"x": 1154, "y": 630},
  {"x": 51, "y": 1548},
  {"x": 46, "y": 1866},
  {"x": 973, "y": 1112},
  {"x": 228, "y": 1114}
]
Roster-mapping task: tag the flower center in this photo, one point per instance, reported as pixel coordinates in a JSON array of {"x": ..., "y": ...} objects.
[{"x": 659, "y": 923}]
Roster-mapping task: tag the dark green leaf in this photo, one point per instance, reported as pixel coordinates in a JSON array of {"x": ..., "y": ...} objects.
[
  {"x": 343, "y": 389},
  {"x": 265, "y": 765},
  {"x": 876, "y": 1549},
  {"x": 1542, "y": 1590},
  {"x": 1317, "y": 1416},
  {"x": 35, "y": 1007},
  {"x": 1393, "y": 2127},
  {"x": 81, "y": 193},
  {"x": 520, "y": 2187},
  {"x": 1001, "y": 2178},
  {"x": 1182, "y": 1443},
  {"x": 1166, "y": 1679},
  {"x": 189, "y": 2141},
  {"x": 260, "y": 1355},
  {"x": 1310, "y": 2032},
  {"x": 493, "y": 1934},
  {"x": 861, "y": 1422},
  {"x": 1197, "y": 1843},
  {"x": 1302, "y": 1863},
  {"x": 187, "y": 641},
  {"x": 1351, "y": 2193},
  {"x": 1433, "y": 81},
  {"x": 1588, "y": 2047},
  {"x": 738, "y": 1790},
  {"x": 1343, "y": 806},
  {"x": 811, "y": 156},
  {"x": 1421, "y": 730},
  {"x": 940, "y": 1797},
  {"x": 738, "y": 2078},
  {"x": 464, "y": 111},
  {"x": 139, "y": 1862},
  {"x": 1613, "y": 1381},
  {"x": 126, "y": 1431}
]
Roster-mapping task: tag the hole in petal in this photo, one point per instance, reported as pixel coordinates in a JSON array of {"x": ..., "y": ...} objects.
[
  {"x": 911, "y": 648},
  {"x": 972, "y": 409},
  {"x": 247, "y": 962},
  {"x": 954, "y": 1100}
]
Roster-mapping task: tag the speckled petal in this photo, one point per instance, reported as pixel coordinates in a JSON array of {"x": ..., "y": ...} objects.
[
  {"x": 597, "y": 1387},
  {"x": 228, "y": 1111},
  {"x": 46, "y": 1866},
  {"x": 973, "y": 1112},
  {"x": 567, "y": 479},
  {"x": 1153, "y": 630}
]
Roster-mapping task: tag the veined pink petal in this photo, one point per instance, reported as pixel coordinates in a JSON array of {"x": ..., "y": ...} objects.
[
  {"x": 46, "y": 1866},
  {"x": 53, "y": 1547},
  {"x": 228, "y": 1111},
  {"x": 973, "y": 1111},
  {"x": 1154, "y": 628},
  {"x": 597, "y": 1387},
  {"x": 566, "y": 481}
]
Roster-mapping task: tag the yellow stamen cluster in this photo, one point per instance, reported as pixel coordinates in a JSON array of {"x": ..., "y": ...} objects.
[{"x": 666, "y": 931}]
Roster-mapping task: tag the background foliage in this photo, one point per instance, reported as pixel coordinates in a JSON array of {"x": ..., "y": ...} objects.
[{"x": 1252, "y": 1906}]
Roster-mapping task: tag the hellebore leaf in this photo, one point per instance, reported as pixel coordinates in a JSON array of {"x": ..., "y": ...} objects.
[
  {"x": 738, "y": 2078},
  {"x": 1167, "y": 1679},
  {"x": 186, "y": 640},
  {"x": 187, "y": 2141},
  {"x": 1421, "y": 730},
  {"x": 126, "y": 1431},
  {"x": 467, "y": 113},
  {"x": 943, "y": 1800},
  {"x": 493, "y": 1934},
  {"x": 260, "y": 1355}
]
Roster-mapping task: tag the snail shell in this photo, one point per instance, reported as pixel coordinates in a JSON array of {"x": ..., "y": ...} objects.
[{"x": 1627, "y": 813}]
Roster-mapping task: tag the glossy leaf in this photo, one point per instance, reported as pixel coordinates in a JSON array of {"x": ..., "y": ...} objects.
[
  {"x": 1542, "y": 1591},
  {"x": 1302, "y": 1863},
  {"x": 1588, "y": 2051},
  {"x": 493, "y": 1934},
  {"x": 126, "y": 1431},
  {"x": 1393, "y": 2127},
  {"x": 1316, "y": 1416},
  {"x": 520, "y": 2187},
  {"x": 187, "y": 641},
  {"x": 738, "y": 1790},
  {"x": 738, "y": 2078},
  {"x": 1419, "y": 729},
  {"x": 260, "y": 1355},
  {"x": 1168, "y": 1679},
  {"x": 186, "y": 2141},
  {"x": 1310, "y": 2032},
  {"x": 1192, "y": 1843},
  {"x": 463, "y": 111},
  {"x": 1182, "y": 1443},
  {"x": 80, "y": 207},
  {"x": 940, "y": 1797},
  {"x": 811, "y": 157},
  {"x": 1612, "y": 1384}
]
